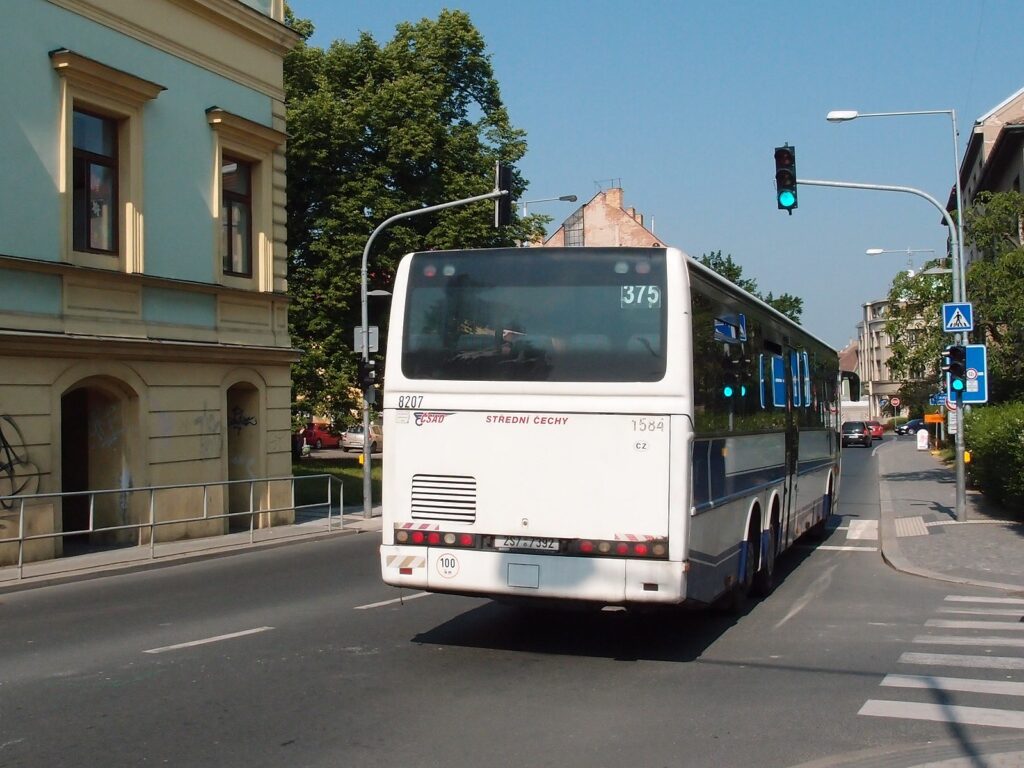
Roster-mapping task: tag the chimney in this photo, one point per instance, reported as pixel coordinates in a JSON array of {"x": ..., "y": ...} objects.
[{"x": 614, "y": 197}]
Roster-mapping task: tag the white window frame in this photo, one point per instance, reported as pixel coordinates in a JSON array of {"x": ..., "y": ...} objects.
[
  {"x": 256, "y": 144},
  {"x": 94, "y": 87}
]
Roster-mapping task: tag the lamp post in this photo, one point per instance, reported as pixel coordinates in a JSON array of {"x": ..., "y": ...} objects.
[
  {"x": 563, "y": 198},
  {"x": 908, "y": 251},
  {"x": 959, "y": 278},
  {"x": 959, "y": 284},
  {"x": 364, "y": 293}
]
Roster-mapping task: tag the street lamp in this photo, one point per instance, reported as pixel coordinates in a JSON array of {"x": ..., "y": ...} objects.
[
  {"x": 563, "y": 198},
  {"x": 908, "y": 251},
  {"x": 959, "y": 285}
]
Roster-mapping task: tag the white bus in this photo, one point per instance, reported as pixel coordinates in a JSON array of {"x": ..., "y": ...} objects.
[{"x": 617, "y": 426}]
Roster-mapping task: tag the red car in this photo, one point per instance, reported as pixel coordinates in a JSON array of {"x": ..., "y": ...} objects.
[
  {"x": 317, "y": 436},
  {"x": 876, "y": 430}
]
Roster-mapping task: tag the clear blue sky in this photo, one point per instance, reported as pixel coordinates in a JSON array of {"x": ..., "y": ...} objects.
[{"x": 684, "y": 103}]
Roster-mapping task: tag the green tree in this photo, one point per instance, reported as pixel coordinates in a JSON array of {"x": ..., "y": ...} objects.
[
  {"x": 915, "y": 334},
  {"x": 995, "y": 286},
  {"x": 377, "y": 130},
  {"x": 789, "y": 305}
]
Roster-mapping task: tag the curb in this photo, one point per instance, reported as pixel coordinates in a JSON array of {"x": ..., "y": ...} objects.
[{"x": 893, "y": 556}]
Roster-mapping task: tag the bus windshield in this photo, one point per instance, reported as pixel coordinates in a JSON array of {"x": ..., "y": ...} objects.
[{"x": 536, "y": 314}]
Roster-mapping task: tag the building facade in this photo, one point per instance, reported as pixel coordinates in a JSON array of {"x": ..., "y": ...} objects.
[
  {"x": 604, "y": 222},
  {"x": 143, "y": 309},
  {"x": 994, "y": 157},
  {"x": 873, "y": 353}
]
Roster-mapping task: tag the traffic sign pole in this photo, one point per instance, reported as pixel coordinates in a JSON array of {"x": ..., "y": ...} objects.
[{"x": 961, "y": 470}]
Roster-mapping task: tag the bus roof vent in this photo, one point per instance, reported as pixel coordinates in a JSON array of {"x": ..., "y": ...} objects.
[{"x": 451, "y": 498}]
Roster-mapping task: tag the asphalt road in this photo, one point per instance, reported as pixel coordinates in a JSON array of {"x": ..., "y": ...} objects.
[{"x": 300, "y": 656}]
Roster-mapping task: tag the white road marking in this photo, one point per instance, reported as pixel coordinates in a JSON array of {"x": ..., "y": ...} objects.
[
  {"x": 863, "y": 529},
  {"x": 998, "y": 687},
  {"x": 818, "y": 587},
  {"x": 994, "y": 600},
  {"x": 413, "y": 596},
  {"x": 206, "y": 640},
  {"x": 837, "y": 548},
  {"x": 983, "y": 611},
  {"x": 941, "y": 713},
  {"x": 959, "y": 660},
  {"x": 1006, "y": 642},
  {"x": 1012, "y": 626}
]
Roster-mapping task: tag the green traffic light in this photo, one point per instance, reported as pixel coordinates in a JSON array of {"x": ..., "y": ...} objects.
[
  {"x": 787, "y": 199},
  {"x": 727, "y": 391},
  {"x": 957, "y": 385}
]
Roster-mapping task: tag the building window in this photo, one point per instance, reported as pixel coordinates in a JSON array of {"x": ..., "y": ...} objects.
[
  {"x": 94, "y": 183},
  {"x": 574, "y": 236},
  {"x": 244, "y": 196},
  {"x": 236, "y": 216},
  {"x": 101, "y": 161}
]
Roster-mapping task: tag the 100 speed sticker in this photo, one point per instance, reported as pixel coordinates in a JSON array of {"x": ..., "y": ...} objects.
[{"x": 448, "y": 565}]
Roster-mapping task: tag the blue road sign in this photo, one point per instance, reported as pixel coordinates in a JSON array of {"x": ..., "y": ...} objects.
[
  {"x": 976, "y": 390},
  {"x": 958, "y": 317},
  {"x": 939, "y": 398}
]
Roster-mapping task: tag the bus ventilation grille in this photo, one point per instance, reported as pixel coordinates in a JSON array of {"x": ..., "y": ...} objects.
[{"x": 451, "y": 498}]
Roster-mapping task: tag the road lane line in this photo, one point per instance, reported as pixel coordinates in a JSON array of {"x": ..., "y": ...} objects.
[
  {"x": 997, "y": 600},
  {"x": 943, "y": 713},
  {"x": 960, "y": 660},
  {"x": 206, "y": 640},
  {"x": 413, "y": 596},
  {"x": 838, "y": 548},
  {"x": 1005, "y": 642},
  {"x": 1013, "y": 626},
  {"x": 998, "y": 687},
  {"x": 817, "y": 587}
]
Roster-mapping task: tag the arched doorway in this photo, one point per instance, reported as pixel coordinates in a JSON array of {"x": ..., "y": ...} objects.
[
  {"x": 243, "y": 405},
  {"x": 97, "y": 418}
]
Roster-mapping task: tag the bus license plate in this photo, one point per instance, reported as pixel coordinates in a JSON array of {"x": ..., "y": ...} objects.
[{"x": 525, "y": 542}]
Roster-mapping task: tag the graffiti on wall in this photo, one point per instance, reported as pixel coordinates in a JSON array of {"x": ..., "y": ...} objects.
[
  {"x": 238, "y": 420},
  {"x": 18, "y": 475}
]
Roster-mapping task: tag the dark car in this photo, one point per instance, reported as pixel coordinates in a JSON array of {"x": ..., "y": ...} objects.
[
  {"x": 910, "y": 427},
  {"x": 856, "y": 433}
]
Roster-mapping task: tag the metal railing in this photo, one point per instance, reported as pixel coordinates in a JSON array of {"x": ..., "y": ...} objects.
[{"x": 217, "y": 500}]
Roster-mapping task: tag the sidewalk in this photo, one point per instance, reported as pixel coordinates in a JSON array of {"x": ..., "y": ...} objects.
[
  {"x": 308, "y": 527},
  {"x": 918, "y": 530}
]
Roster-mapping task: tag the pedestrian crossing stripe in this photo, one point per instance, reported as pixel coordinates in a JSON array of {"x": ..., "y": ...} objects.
[
  {"x": 944, "y": 713},
  {"x": 941, "y": 689}
]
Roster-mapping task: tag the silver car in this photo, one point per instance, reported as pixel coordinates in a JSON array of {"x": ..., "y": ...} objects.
[{"x": 352, "y": 440}]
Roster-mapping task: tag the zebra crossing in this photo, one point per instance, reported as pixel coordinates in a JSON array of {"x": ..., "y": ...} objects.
[
  {"x": 861, "y": 536},
  {"x": 968, "y": 668}
]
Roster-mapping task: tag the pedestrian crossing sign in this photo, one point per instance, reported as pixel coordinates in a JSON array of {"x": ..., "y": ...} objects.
[{"x": 958, "y": 317}]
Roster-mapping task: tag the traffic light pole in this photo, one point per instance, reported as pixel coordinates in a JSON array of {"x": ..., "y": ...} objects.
[
  {"x": 365, "y": 352},
  {"x": 961, "y": 474}
]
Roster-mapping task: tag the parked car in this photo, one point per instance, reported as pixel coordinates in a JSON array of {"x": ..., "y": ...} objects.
[
  {"x": 856, "y": 432},
  {"x": 318, "y": 436},
  {"x": 352, "y": 440},
  {"x": 876, "y": 429},
  {"x": 910, "y": 427}
]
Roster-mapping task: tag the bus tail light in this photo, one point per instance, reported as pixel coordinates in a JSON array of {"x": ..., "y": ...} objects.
[
  {"x": 655, "y": 549},
  {"x": 436, "y": 538}
]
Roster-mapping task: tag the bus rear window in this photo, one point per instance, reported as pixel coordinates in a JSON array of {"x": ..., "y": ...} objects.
[{"x": 536, "y": 314}]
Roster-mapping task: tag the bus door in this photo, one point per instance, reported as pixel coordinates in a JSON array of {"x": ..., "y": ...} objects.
[{"x": 793, "y": 393}]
